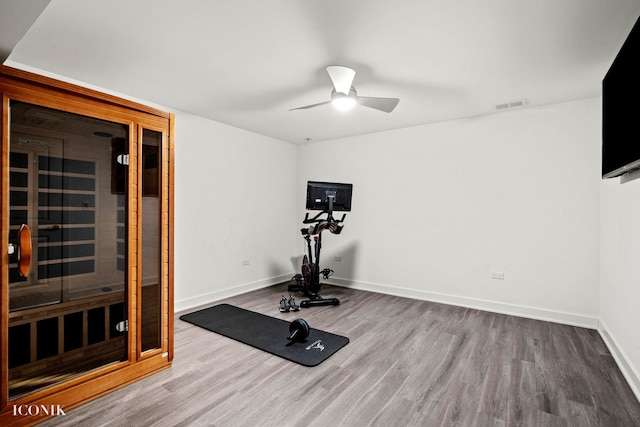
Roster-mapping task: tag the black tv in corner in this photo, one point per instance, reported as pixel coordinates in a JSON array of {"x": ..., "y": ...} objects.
[
  {"x": 320, "y": 193},
  {"x": 621, "y": 110}
]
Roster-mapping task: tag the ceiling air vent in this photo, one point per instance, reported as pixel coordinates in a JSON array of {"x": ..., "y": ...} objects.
[{"x": 512, "y": 104}]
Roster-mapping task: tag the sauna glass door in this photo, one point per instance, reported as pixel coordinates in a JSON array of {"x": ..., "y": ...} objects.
[{"x": 67, "y": 275}]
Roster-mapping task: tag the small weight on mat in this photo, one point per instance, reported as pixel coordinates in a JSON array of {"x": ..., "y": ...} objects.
[{"x": 298, "y": 330}]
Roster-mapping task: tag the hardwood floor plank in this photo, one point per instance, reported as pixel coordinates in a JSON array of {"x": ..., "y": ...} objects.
[{"x": 409, "y": 362}]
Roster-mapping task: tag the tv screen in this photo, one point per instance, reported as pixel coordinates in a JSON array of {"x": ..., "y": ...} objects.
[
  {"x": 621, "y": 110},
  {"x": 319, "y": 193}
]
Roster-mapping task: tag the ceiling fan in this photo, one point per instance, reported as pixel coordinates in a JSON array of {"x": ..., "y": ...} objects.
[{"x": 345, "y": 97}]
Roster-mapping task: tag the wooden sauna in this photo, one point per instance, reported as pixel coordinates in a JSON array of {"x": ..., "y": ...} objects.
[{"x": 87, "y": 245}]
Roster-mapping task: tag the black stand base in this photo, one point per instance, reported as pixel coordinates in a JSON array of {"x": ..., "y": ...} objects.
[
  {"x": 318, "y": 302},
  {"x": 314, "y": 300}
]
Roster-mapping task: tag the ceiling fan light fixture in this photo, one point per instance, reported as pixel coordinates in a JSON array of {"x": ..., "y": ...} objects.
[{"x": 344, "y": 102}]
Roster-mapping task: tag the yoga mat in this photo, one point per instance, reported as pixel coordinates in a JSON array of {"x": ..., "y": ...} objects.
[{"x": 267, "y": 333}]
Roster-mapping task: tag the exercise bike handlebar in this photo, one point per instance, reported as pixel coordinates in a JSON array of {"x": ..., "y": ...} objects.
[
  {"x": 333, "y": 227},
  {"x": 317, "y": 218},
  {"x": 321, "y": 224}
]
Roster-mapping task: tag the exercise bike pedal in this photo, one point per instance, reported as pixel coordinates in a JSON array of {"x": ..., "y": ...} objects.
[{"x": 298, "y": 285}]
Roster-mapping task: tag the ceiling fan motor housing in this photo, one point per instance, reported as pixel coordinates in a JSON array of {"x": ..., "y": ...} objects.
[{"x": 352, "y": 94}]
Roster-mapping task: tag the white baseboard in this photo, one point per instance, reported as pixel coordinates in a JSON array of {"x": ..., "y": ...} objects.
[
  {"x": 630, "y": 374},
  {"x": 478, "y": 304},
  {"x": 208, "y": 298}
]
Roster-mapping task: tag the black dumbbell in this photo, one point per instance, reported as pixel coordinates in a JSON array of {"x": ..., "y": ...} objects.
[{"x": 299, "y": 330}]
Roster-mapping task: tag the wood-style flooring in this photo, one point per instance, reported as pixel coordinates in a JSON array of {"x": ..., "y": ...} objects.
[{"x": 408, "y": 363}]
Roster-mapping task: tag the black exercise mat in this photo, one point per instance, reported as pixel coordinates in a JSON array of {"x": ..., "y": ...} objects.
[{"x": 267, "y": 333}]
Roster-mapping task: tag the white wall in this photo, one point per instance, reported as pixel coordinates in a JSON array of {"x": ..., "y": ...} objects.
[
  {"x": 620, "y": 273},
  {"x": 437, "y": 208},
  {"x": 235, "y": 200}
]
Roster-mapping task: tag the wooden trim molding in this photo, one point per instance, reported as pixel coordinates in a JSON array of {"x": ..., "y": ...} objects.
[
  {"x": 15, "y": 75},
  {"x": 4, "y": 238}
]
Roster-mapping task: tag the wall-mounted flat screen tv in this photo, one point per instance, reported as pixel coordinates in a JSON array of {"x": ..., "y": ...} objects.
[{"x": 621, "y": 110}]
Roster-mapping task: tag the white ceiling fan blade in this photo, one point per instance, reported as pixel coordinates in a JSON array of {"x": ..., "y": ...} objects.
[
  {"x": 383, "y": 104},
  {"x": 342, "y": 77},
  {"x": 311, "y": 106}
]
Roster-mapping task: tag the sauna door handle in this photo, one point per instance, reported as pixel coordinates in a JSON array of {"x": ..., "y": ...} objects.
[{"x": 24, "y": 250}]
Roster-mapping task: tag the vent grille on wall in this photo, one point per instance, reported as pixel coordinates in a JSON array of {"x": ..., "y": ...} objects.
[{"x": 512, "y": 104}]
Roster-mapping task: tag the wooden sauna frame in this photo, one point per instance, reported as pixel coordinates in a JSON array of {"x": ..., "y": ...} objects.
[{"x": 43, "y": 91}]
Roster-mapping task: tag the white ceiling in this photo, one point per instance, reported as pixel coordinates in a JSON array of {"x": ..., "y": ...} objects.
[{"x": 247, "y": 62}]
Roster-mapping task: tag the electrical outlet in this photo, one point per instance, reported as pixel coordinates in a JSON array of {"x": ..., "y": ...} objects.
[
  {"x": 498, "y": 275},
  {"x": 337, "y": 258},
  {"x": 246, "y": 262}
]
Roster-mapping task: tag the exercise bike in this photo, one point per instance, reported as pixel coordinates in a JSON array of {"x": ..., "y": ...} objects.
[{"x": 326, "y": 197}]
